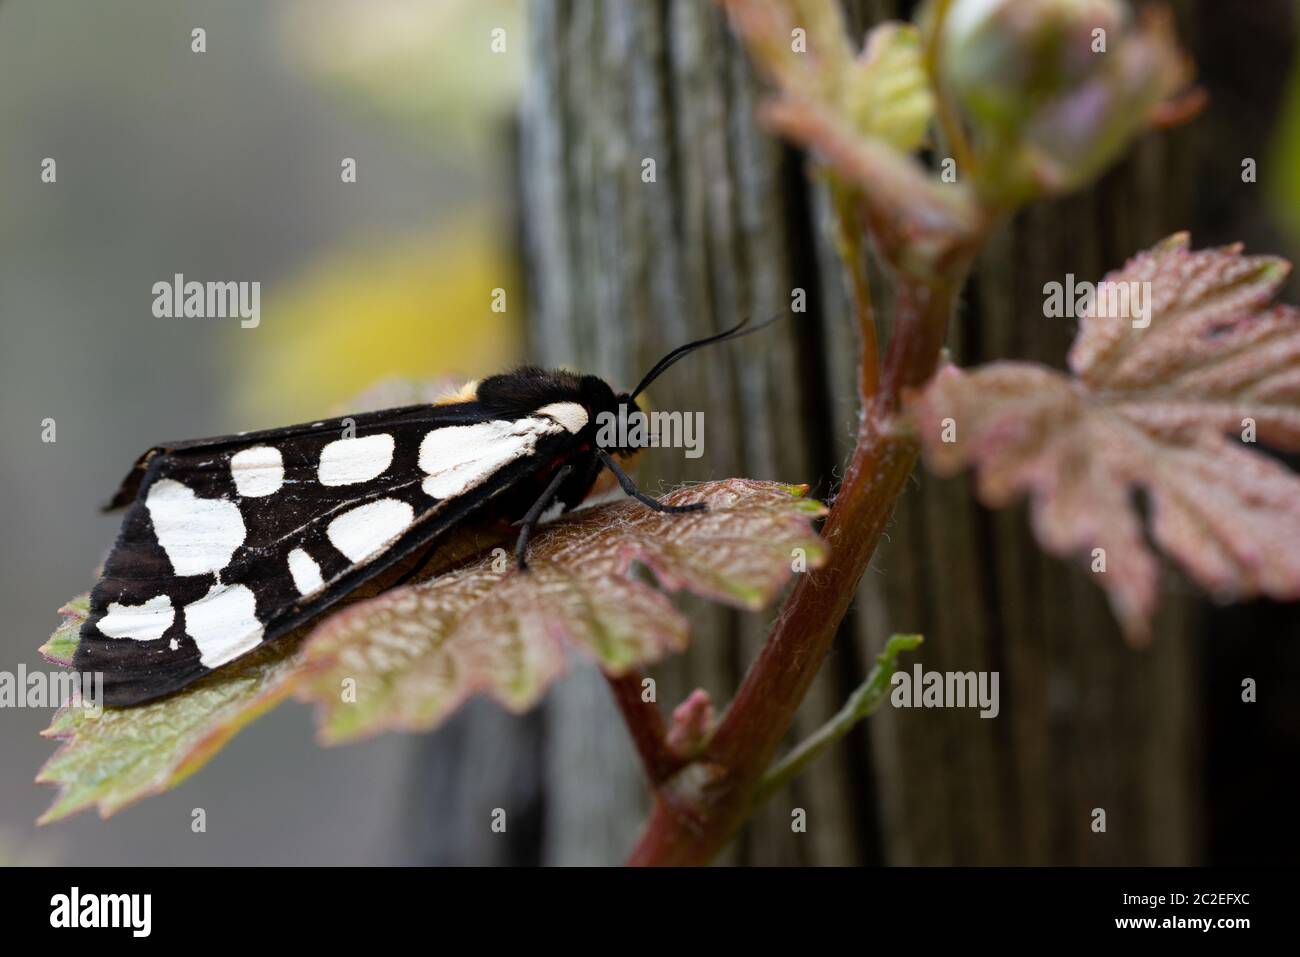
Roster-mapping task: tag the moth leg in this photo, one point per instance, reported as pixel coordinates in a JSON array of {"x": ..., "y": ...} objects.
[
  {"x": 530, "y": 520},
  {"x": 630, "y": 488},
  {"x": 417, "y": 567}
]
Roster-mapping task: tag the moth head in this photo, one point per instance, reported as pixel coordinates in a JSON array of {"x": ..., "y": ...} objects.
[
  {"x": 611, "y": 415},
  {"x": 627, "y": 439},
  {"x": 620, "y": 441},
  {"x": 607, "y": 410}
]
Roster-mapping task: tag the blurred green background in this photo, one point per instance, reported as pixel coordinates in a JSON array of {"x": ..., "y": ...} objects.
[{"x": 225, "y": 165}]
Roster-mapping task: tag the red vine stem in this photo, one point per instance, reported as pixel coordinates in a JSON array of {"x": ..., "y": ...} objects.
[
  {"x": 697, "y": 812},
  {"x": 692, "y": 821},
  {"x": 645, "y": 722}
]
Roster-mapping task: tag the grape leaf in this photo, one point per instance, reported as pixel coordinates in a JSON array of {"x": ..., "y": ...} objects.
[
  {"x": 578, "y": 591},
  {"x": 1149, "y": 408},
  {"x": 112, "y": 757},
  {"x": 863, "y": 115},
  {"x": 887, "y": 92},
  {"x": 408, "y": 658},
  {"x": 63, "y": 643},
  {"x": 883, "y": 92}
]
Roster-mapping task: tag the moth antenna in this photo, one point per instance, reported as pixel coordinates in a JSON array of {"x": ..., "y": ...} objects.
[{"x": 743, "y": 328}]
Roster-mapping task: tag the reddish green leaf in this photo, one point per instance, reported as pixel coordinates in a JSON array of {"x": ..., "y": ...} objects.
[
  {"x": 862, "y": 115},
  {"x": 429, "y": 646},
  {"x": 410, "y": 657},
  {"x": 63, "y": 643},
  {"x": 112, "y": 757},
  {"x": 1161, "y": 409}
]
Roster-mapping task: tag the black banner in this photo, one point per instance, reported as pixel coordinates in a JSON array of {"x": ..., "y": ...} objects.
[{"x": 332, "y": 906}]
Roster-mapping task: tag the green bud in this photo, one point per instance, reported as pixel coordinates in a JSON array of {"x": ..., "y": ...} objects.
[{"x": 1053, "y": 90}]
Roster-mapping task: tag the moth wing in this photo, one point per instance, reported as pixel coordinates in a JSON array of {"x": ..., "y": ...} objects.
[
  {"x": 231, "y": 542},
  {"x": 462, "y": 413}
]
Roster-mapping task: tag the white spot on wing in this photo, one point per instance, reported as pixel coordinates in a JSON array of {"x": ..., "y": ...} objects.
[
  {"x": 145, "y": 622},
  {"x": 257, "y": 471},
  {"x": 460, "y": 457},
  {"x": 305, "y": 572},
  {"x": 199, "y": 535},
  {"x": 370, "y": 528},
  {"x": 571, "y": 415},
  {"x": 348, "y": 461},
  {"x": 223, "y": 623}
]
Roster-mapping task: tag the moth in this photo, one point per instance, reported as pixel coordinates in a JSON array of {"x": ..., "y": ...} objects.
[{"x": 231, "y": 542}]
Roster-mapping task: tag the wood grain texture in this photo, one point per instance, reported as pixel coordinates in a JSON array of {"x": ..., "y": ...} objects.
[{"x": 619, "y": 270}]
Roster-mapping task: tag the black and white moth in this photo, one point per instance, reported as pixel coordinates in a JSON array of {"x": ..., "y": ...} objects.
[{"x": 231, "y": 542}]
